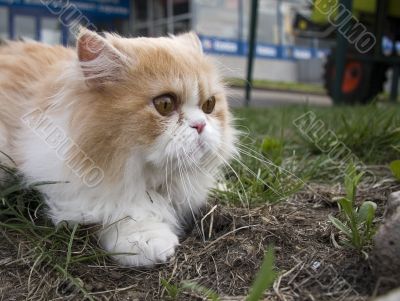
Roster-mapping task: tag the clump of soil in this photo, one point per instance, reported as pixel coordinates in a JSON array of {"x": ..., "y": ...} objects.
[
  {"x": 223, "y": 253},
  {"x": 386, "y": 260}
]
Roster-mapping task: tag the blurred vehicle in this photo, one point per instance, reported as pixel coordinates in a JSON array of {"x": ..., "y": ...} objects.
[{"x": 365, "y": 69}]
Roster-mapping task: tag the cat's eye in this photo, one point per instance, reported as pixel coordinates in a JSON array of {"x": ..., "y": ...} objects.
[
  {"x": 209, "y": 105},
  {"x": 164, "y": 104}
]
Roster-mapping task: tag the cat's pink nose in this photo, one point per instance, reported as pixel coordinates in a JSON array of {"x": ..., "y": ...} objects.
[{"x": 199, "y": 126}]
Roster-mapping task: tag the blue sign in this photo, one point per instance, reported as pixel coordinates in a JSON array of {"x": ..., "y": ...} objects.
[
  {"x": 223, "y": 46},
  {"x": 267, "y": 51},
  {"x": 115, "y": 8}
]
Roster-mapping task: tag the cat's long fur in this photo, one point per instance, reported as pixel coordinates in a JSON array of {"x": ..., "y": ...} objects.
[{"x": 84, "y": 117}]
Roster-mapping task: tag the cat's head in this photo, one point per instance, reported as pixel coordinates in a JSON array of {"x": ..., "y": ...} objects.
[{"x": 161, "y": 96}]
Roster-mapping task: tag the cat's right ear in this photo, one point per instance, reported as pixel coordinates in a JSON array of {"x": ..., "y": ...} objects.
[{"x": 99, "y": 60}]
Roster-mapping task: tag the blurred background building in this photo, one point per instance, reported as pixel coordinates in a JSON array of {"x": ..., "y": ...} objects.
[
  {"x": 223, "y": 28},
  {"x": 221, "y": 24},
  {"x": 53, "y": 21}
]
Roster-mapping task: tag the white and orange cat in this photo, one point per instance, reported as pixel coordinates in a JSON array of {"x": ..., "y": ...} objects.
[{"x": 132, "y": 130}]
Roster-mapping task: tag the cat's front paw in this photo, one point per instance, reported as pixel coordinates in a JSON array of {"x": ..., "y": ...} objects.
[{"x": 140, "y": 244}]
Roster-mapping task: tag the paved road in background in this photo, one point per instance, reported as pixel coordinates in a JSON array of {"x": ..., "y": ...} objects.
[{"x": 264, "y": 98}]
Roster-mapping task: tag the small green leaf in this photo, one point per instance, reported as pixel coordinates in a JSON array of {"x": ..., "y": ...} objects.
[
  {"x": 366, "y": 212},
  {"x": 395, "y": 168},
  {"x": 347, "y": 206},
  {"x": 342, "y": 227}
]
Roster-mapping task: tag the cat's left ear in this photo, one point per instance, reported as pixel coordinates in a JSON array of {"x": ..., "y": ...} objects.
[
  {"x": 100, "y": 61},
  {"x": 191, "y": 39}
]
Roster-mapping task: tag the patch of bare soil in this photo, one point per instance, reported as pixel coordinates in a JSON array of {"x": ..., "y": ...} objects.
[{"x": 223, "y": 253}]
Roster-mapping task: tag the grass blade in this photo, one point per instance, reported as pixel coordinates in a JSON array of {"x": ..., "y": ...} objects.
[
  {"x": 69, "y": 252},
  {"x": 342, "y": 227},
  {"x": 265, "y": 277},
  {"x": 203, "y": 291}
]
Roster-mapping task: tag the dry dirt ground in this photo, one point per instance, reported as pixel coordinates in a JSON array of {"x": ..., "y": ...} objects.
[{"x": 311, "y": 263}]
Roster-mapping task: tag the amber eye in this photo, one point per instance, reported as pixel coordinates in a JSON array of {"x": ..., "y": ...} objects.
[
  {"x": 164, "y": 104},
  {"x": 209, "y": 105}
]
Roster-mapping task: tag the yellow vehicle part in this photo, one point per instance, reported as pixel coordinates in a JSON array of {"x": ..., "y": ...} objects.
[{"x": 324, "y": 9}]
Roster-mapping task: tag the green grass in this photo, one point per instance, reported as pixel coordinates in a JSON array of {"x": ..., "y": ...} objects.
[
  {"x": 370, "y": 134},
  {"x": 60, "y": 248},
  {"x": 280, "y": 86}
]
